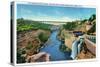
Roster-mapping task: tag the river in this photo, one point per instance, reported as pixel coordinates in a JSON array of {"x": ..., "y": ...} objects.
[{"x": 52, "y": 47}]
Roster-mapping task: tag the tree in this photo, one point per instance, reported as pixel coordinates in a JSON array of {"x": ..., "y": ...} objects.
[
  {"x": 70, "y": 25},
  {"x": 92, "y": 18}
]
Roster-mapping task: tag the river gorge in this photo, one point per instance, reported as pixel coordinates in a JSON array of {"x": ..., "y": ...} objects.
[{"x": 52, "y": 47}]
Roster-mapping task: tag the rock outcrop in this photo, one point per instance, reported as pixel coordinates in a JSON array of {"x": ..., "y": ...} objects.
[{"x": 40, "y": 57}]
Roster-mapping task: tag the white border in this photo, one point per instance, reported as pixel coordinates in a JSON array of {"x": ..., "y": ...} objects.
[
  {"x": 54, "y": 4},
  {"x": 48, "y": 4}
]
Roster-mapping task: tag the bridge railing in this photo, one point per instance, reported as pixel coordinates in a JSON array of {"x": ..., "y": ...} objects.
[{"x": 90, "y": 44}]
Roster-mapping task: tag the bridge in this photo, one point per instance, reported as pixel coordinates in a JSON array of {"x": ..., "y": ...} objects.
[{"x": 54, "y": 22}]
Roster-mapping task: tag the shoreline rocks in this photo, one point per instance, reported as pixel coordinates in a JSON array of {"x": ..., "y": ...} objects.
[{"x": 40, "y": 57}]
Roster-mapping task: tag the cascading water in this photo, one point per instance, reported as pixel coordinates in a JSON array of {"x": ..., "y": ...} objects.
[{"x": 76, "y": 47}]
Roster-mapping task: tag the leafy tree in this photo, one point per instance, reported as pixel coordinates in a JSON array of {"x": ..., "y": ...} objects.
[
  {"x": 43, "y": 37},
  {"x": 70, "y": 25},
  {"x": 20, "y": 58},
  {"x": 92, "y": 18}
]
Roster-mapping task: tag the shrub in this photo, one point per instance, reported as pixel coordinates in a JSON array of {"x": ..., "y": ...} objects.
[
  {"x": 20, "y": 59},
  {"x": 29, "y": 46},
  {"x": 43, "y": 37},
  {"x": 70, "y": 25},
  {"x": 63, "y": 48}
]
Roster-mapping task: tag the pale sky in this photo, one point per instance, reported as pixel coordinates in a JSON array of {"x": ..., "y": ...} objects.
[{"x": 53, "y": 13}]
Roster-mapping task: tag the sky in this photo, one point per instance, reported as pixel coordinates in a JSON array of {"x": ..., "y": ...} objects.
[{"x": 53, "y": 13}]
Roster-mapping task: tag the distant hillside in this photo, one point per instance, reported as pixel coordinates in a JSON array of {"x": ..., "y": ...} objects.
[
  {"x": 24, "y": 25},
  {"x": 81, "y": 25}
]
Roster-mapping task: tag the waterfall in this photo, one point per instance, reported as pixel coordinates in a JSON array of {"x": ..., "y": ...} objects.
[{"x": 76, "y": 48}]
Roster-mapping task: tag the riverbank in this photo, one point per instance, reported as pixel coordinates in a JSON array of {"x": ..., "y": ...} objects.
[
  {"x": 68, "y": 38},
  {"x": 30, "y": 42},
  {"x": 55, "y": 49}
]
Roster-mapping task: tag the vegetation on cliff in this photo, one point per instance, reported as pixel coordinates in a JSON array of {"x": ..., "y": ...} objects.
[
  {"x": 31, "y": 37},
  {"x": 64, "y": 48},
  {"x": 24, "y": 25}
]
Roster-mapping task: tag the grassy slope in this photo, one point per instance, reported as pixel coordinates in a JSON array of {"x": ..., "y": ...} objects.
[{"x": 24, "y": 25}]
